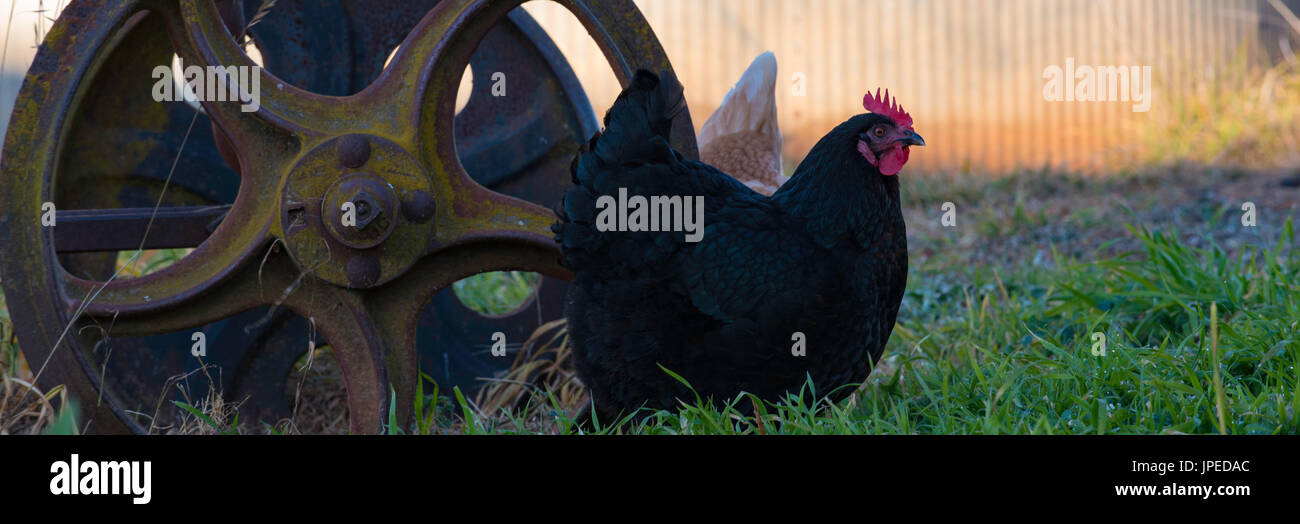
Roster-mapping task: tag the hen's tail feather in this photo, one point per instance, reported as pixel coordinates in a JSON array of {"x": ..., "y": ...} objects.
[
  {"x": 656, "y": 98},
  {"x": 642, "y": 113},
  {"x": 637, "y": 128}
]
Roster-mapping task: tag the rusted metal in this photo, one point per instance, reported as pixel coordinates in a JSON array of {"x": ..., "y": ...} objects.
[
  {"x": 79, "y": 230},
  {"x": 353, "y": 150},
  {"x": 418, "y": 206},
  {"x": 374, "y": 210},
  {"x": 387, "y": 241},
  {"x": 385, "y": 139}
]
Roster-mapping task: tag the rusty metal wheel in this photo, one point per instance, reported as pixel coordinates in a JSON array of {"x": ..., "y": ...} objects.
[{"x": 256, "y": 193}]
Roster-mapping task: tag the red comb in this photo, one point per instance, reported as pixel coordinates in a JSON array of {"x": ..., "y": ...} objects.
[{"x": 886, "y": 106}]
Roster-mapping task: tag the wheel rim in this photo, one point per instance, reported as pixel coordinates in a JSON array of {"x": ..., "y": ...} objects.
[{"x": 242, "y": 274}]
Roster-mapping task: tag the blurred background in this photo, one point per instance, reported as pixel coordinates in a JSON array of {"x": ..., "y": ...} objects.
[
  {"x": 1225, "y": 87},
  {"x": 971, "y": 71}
]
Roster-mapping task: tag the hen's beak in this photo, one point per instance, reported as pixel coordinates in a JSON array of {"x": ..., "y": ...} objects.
[{"x": 912, "y": 139}]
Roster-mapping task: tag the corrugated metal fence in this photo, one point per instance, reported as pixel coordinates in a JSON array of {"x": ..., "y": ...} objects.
[{"x": 971, "y": 72}]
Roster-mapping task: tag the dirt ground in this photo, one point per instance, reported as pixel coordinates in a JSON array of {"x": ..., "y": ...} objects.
[{"x": 1021, "y": 220}]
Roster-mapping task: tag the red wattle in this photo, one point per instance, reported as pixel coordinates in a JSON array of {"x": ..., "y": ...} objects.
[{"x": 891, "y": 162}]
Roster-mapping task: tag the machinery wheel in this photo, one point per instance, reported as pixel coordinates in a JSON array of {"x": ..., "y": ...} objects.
[{"x": 257, "y": 194}]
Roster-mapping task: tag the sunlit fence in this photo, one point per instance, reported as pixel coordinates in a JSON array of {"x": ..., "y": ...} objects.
[{"x": 971, "y": 72}]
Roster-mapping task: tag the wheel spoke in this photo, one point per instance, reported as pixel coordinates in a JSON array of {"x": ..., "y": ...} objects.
[
  {"x": 400, "y": 302},
  {"x": 283, "y": 106},
  {"x": 91, "y": 230},
  {"x": 201, "y": 38},
  {"x": 400, "y": 312},
  {"x": 433, "y": 58},
  {"x": 350, "y": 330},
  {"x": 477, "y": 214},
  {"x": 429, "y": 64},
  {"x": 240, "y": 237},
  {"x": 270, "y": 281}
]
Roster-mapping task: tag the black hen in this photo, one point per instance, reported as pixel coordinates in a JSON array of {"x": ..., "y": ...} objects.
[{"x": 824, "y": 257}]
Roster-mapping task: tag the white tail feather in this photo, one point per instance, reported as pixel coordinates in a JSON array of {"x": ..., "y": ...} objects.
[{"x": 749, "y": 106}]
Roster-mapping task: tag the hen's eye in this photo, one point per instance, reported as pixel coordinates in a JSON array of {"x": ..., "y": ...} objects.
[{"x": 879, "y": 131}]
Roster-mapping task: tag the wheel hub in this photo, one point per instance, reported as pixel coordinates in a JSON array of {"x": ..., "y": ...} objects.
[
  {"x": 372, "y": 216},
  {"x": 357, "y": 210}
]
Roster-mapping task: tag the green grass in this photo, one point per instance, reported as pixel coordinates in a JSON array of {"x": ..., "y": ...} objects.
[
  {"x": 8, "y": 345},
  {"x": 12, "y": 364},
  {"x": 978, "y": 351},
  {"x": 1012, "y": 354},
  {"x": 148, "y": 260},
  {"x": 496, "y": 292}
]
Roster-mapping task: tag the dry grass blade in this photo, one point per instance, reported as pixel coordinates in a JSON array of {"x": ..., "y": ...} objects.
[
  {"x": 17, "y": 415},
  {"x": 222, "y": 415},
  {"x": 320, "y": 401},
  {"x": 1219, "y": 400},
  {"x": 1289, "y": 16},
  {"x": 4, "y": 51},
  {"x": 261, "y": 13},
  {"x": 543, "y": 364}
]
